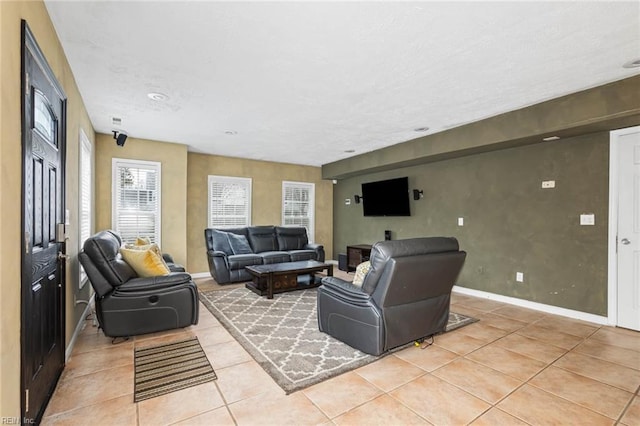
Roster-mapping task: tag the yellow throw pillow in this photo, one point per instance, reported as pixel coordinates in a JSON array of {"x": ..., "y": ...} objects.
[
  {"x": 361, "y": 271},
  {"x": 153, "y": 247},
  {"x": 142, "y": 241},
  {"x": 146, "y": 263}
]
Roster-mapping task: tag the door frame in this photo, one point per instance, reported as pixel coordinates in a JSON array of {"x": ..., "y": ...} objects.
[
  {"x": 612, "y": 294},
  {"x": 29, "y": 45}
]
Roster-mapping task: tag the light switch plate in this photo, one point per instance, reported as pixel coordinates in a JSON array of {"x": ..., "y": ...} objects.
[
  {"x": 461, "y": 221},
  {"x": 588, "y": 219},
  {"x": 548, "y": 184},
  {"x": 519, "y": 277},
  {"x": 347, "y": 201}
]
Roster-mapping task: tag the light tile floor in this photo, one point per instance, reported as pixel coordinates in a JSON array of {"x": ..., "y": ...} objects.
[{"x": 514, "y": 367}]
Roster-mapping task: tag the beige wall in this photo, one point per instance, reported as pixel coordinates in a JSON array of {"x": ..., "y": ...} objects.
[
  {"x": 266, "y": 204},
  {"x": 173, "y": 159},
  {"x": 34, "y": 12},
  {"x": 184, "y": 193}
]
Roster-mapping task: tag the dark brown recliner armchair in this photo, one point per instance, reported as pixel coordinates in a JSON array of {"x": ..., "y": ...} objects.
[
  {"x": 404, "y": 297},
  {"x": 128, "y": 305}
]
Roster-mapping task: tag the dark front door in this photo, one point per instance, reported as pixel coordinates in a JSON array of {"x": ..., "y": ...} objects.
[{"x": 43, "y": 152}]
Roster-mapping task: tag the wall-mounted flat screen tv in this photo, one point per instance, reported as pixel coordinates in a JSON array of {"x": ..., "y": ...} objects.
[{"x": 386, "y": 197}]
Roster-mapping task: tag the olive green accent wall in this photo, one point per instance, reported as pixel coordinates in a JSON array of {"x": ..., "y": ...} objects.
[
  {"x": 511, "y": 224},
  {"x": 173, "y": 197},
  {"x": 266, "y": 188},
  {"x": 611, "y": 106},
  {"x": 35, "y": 13}
]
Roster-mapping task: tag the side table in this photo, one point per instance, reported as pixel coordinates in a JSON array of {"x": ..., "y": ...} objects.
[{"x": 357, "y": 254}]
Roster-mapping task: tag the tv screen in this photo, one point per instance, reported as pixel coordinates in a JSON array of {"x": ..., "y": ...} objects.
[{"x": 386, "y": 197}]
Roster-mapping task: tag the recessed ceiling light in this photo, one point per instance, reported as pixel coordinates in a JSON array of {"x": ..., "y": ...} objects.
[
  {"x": 231, "y": 132},
  {"x": 157, "y": 96},
  {"x": 349, "y": 151},
  {"x": 551, "y": 138},
  {"x": 421, "y": 129},
  {"x": 634, "y": 63}
]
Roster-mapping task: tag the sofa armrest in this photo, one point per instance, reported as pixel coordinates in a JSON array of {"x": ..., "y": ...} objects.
[
  {"x": 344, "y": 290},
  {"x": 155, "y": 283},
  {"x": 100, "y": 285},
  {"x": 168, "y": 258},
  {"x": 215, "y": 253},
  {"x": 319, "y": 249},
  {"x": 219, "y": 266}
]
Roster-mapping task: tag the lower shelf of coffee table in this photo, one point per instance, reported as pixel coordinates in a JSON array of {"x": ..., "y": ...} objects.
[{"x": 284, "y": 282}]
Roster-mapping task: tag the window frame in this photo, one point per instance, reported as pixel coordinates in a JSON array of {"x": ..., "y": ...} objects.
[
  {"x": 137, "y": 164},
  {"x": 311, "y": 187},
  {"x": 85, "y": 152},
  {"x": 236, "y": 180}
]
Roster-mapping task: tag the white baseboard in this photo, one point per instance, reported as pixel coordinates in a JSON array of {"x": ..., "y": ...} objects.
[
  {"x": 200, "y": 275},
  {"x": 549, "y": 309},
  {"x": 72, "y": 342}
]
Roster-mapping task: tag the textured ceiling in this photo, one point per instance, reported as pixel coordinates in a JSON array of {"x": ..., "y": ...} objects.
[{"x": 303, "y": 82}]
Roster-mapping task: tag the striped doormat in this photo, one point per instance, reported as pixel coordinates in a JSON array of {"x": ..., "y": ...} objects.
[{"x": 170, "y": 367}]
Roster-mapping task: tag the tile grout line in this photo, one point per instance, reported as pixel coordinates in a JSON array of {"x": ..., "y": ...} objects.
[
  {"x": 626, "y": 408},
  {"x": 226, "y": 404},
  {"x": 495, "y": 405},
  {"x": 559, "y": 396}
]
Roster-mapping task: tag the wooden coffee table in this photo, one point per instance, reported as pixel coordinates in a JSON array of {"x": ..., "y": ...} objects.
[{"x": 289, "y": 276}]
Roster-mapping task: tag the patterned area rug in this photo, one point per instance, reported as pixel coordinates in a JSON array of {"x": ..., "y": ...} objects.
[
  {"x": 282, "y": 335},
  {"x": 170, "y": 367}
]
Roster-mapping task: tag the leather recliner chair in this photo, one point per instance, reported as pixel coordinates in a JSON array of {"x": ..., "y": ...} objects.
[
  {"x": 404, "y": 297},
  {"x": 128, "y": 305}
]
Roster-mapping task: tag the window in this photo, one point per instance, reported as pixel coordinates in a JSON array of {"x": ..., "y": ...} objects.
[
  {"x": 85, "y": 194},
  {"x": 136, "y": 199},
  {"x": 229, "y": 202},
  {"x": 298, "y": 206}
]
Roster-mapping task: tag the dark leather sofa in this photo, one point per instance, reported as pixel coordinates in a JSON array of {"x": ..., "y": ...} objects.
[
  {"x": 128, "y": 305},
  {"x": 268, "y": 244},
  {"x": 404, "y": 297}
]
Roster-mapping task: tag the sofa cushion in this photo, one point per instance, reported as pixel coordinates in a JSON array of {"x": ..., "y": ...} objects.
[
  {"x": 270, "y": 257},
  {"x": 239, "y": 261},
  {"x": 298, "y": 255},
  {"x": 291, "y": 237},
  {"x": 239, "y": 244},
  {"x": 221, "y": 241},
  {"x": 262, "y": 238},
  {"x": 103, "y": 248}
]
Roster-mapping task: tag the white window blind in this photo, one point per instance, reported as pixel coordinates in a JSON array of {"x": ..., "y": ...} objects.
[
  {"x": 136, "y": 199},
  {"x": 298, "y": 206},
  {"x": 229, "y": 202},
  {"x": 85, "y": 195}
]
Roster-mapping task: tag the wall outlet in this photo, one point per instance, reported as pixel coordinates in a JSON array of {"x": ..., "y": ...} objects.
[
  {"x": 519, "y": 277},
  {"x": 548, "y": 184},
  {"x": 461, "y": 221},
  {"x": 347, "y": 201},
  {"x": 588, "y": 219}
]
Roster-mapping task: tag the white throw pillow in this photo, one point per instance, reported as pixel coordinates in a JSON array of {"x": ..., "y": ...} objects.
[{"x": 361, "y": 271}]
